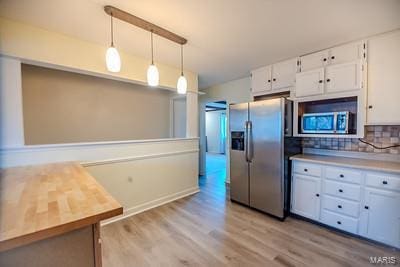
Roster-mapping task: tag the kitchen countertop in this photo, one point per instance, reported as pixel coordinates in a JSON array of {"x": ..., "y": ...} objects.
[
  {"x": 374, "y": 165},
  {"x": 42, "y": 201}
]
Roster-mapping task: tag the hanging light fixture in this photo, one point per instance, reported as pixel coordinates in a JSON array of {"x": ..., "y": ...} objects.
[
  {"x": 113, "y": 61},
  {"x": 181, "y": 85},
  {"x": 152, "y": 72}
]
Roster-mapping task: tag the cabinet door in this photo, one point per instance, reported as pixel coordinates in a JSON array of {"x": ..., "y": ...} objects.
[
  {"x": 346, "y": 53},
  {"x": 343, "y": 77},
  {"x": 306, "y": 192},
  {"x": 284, "y": 74},
  {"x": 383, "y": 219},
  {"x": 261, "y": 79},
  {"x": 310, "y": 83},
  {"x": 384, "y": 79},
  {"x": 314, "y": 60}
]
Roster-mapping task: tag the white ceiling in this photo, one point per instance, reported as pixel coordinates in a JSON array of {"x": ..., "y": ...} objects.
[{"x": 227, "y": 38}]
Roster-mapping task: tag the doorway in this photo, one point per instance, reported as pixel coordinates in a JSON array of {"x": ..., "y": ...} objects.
[{"x": 216, "y": 139}]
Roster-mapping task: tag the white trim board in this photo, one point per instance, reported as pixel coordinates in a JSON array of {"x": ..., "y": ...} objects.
[{"x": 152, "y": 204}]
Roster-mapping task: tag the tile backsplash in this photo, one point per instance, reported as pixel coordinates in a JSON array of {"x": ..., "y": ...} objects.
[{"x": 380, "y": 136}]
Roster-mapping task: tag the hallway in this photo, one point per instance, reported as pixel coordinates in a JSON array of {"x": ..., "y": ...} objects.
[{"x": 216, "y": 166}]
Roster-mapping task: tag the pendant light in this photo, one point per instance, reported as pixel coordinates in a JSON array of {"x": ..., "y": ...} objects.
[
  {"x": 113, "y": 60},
  {"x": 181, "y": 86},
  {"x": 153, "y": 76}
]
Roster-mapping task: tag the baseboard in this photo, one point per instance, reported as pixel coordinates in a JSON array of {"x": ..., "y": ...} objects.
[{"x": 152, "y": 204}]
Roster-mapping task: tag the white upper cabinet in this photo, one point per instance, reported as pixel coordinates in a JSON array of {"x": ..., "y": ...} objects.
[
  {"x": 284, "y": 74},
  {"x": 384, "y": 79},
  {"x": 310, "y": 83},
  {"x": 314, "y": 60},
  {"x": 343, "y": 77},
  {"x": 346, "y": 53},
  {"x": 261, "y": 80}
]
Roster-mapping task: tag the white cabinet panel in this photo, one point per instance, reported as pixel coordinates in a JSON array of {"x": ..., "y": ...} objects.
[
  {"x": 343, "y": 77},
  {"x": 261, "y": 79},
  {"x": 383, "y": 181},
  {"x": 284, "y": 74},
  {"x": 383, "y": 219},
  {"x": 342, "y": 206},
  {"x": 314, "y": 60},
  {"x": 384, "y": 79},
  {"x": 346, "y": 53},
  {"x": 343, "y": 174},
  {"x": 306, "y": 196},
  {"x": 310, "y": 83},
  {"x": 307, "y": 169},
  {"x": 341, "y": 222},
  {"x": 342, "y": 190}
]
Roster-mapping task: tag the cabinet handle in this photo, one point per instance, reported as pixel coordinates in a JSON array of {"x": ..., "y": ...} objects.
[
  {"x": 339, "y": 222},
  {"x": 366, "y": 207},
  {"x": 269, "y": 81},
  {"x": 341, "y": 190},
  {"x": 273, "y": 79},
  {"x": 370, "y": 106},
  {"x": 332, "y": 57},
  {"x": 320, "y": 81},
  {"x": 339, "y": 206},
  {"x": 324, "y": 59},
  {"x": 306, "y": 170},
  {"x": 328, "y": 80},
  {"x": 317, "y": 195},
  {"x": 341, "y": 176},
  {"x": 384, "y": 182}
]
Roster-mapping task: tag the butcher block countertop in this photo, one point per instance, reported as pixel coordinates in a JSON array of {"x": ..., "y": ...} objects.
[
  {"x": 374, "y": 165},
  {"x": 42, "y": 201}
]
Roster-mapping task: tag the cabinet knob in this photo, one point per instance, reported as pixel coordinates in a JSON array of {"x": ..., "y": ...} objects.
[
  {"x": 339, "y": 222},
  {"x": 324, "y": 59},
  {"x": 341, "y": 190},
  {"x": 339, "y": 206},
  {"x": 320, "y": 81},
  {"x": 370, "y": 106},
  {"x": 269, "y": 81},
  {"x": 332, "y": 57},
  {"x": 306, "y": 170},
  {"x": 341, "y": 176},
  {"x": 366, "y": 207},
  {"x": 317, "y": 195},
  {"x": 384, "y": 182},
  {"x": 328, "y": 80},
  {"x": 274, "y": 79}
]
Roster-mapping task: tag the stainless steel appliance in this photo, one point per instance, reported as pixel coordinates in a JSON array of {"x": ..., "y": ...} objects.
[
  {"x": 328, "y": 122},
  {"x": 260, "y": 147}
]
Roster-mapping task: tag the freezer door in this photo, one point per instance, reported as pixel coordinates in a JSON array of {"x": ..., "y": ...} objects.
[
  {"x": 266, "y": 166},
  {"x": 239, "y": 167}
]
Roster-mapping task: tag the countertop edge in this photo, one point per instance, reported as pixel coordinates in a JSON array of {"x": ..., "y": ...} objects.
[
  {"x": 57, "y": 230},
  {"x": 301, "y": 157}
]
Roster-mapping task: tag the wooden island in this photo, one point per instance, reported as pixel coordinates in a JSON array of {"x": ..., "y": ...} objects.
[{"x": 50, "y": 216}]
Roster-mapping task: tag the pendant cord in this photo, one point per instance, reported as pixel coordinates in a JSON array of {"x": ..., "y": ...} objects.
[
  {"x": 112, "y": 31},
  {"x": 152, "y": 61},
  {"x": 182, "y": 60}
]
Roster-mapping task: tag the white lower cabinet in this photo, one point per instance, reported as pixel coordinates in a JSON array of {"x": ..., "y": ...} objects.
[
  {"x": 382, "y": 219},
  {"x": 306, "y": 196},
  {"x": 354, "y": 200}
]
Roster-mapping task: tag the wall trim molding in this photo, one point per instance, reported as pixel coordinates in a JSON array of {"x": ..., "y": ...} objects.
[
  {"x": 152, "y": 204},
  {"x": 150, "y": 156}
]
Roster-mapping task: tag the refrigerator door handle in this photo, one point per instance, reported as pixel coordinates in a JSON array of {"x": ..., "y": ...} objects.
[
  {"x": 249, "y": 149},
  {"x": 246, "y": 137}
]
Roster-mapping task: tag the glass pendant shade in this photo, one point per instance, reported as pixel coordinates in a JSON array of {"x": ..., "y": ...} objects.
[
  {"x": 153, "y": 76},
  {"x": 182, "y": 85},
  {"x": 113, "y": 61}
]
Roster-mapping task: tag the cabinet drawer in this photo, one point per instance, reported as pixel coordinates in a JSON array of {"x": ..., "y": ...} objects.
[
  {"x": 342, "y": 174},
  {"x": 341, "y": 222},
  {"x": 383, "y": 181},
  {"x": 341, "y": 206},
  {"x": 342, "y": 190},
  {"x": 307, "y": 169}
]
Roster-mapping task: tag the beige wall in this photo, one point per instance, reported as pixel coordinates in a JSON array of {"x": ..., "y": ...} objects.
[{"x": 65, "y": 107}]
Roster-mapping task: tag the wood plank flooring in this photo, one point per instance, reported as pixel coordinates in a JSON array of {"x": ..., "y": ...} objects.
[{"x": 207, "y": 229}]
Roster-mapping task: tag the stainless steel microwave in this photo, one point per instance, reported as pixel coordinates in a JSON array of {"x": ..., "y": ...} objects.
[{"x": 328, "y": 122}]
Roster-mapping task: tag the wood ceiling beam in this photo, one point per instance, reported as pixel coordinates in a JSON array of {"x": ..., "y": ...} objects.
[{"x": 141, "y": 23}]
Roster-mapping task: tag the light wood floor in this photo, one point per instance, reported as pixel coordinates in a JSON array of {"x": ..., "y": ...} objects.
[{"x": 206, "y": 229}]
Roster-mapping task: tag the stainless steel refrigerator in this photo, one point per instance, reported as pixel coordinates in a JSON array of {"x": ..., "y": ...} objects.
[{"x": 260, "y": 147}]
